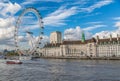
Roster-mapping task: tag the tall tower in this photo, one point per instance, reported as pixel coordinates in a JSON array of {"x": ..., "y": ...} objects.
[
  {"x": 55, "y": 37},
  {"x": 83, "y": 37}
]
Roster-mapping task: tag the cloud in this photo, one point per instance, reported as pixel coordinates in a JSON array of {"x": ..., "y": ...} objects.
[
  {"x": 6, "y": 37},
  {"x": 97, "y": 5},
  {"x": 116, "y": 18},
  {"x": 79, "y": 2},
  {"x": 76, "y": 34},
  {"x": 44, "y": 41},
  {"x": 9, "y": 8},
  {"x": 94, "y": 27},
  {"x": 6, "y": 33},
  {"x": 29, "y": 2},
  {"x": 29, "y": 23},
  {"x": 6, "y": 28},
  {"x": 4, "y": 0},
  {"x": 106, "y": 34},
  {"x": 57, "y": 18},
  {"x": 90, "y": 14},
  {"x": 94, "y": 22},
  {"x": 33, "y": 42},
  {"x": 117, "y": 24},
  {"x": 7, "y": 22},
  {"x": 52, "y": 0},
  {"x": 26, "y": 2}
]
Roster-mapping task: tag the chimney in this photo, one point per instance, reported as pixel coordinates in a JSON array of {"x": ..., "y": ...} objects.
[
  {"x": 117, "y": 37},
  {"x": 52, "y": 43},
  {"x": 110, "y": 37},
  {"x": 55, "y": 43},
  {"x": 97, "y": 38}
]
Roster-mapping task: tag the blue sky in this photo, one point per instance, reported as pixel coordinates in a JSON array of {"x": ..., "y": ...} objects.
[
  {"x": 81, "y": 13},
  {"x": 71, "y": 17},
  {"x": 95, "y": 15}
]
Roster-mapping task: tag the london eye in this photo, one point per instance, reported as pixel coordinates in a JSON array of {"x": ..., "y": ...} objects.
[{"x": 28, "y": 38}]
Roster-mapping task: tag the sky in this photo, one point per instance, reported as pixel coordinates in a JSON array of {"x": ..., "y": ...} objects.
[{"x": 71, "y": 17}]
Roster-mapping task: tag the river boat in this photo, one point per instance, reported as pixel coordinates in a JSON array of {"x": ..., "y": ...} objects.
[{"x": 13, "y": 62}]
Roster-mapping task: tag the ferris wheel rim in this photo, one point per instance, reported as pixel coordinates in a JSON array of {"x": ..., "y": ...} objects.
[{"x": 40, "y": 24}]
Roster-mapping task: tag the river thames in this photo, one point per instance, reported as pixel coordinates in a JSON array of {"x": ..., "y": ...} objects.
[{"x": 61, "y": 70}]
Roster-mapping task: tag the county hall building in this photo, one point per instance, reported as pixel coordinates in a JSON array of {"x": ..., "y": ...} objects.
[{"x": 109, "y": 47}]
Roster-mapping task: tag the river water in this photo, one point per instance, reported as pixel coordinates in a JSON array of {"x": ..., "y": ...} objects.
[{"x": 61, "y": 70}]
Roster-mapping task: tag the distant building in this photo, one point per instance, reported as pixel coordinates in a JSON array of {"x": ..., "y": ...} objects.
[
  {"x": 56, "y": 37},
  {"x": 83, "y": 48}
]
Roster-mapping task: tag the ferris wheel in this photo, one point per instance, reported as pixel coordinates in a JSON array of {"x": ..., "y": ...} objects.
[{"x": 28, "y": 39}]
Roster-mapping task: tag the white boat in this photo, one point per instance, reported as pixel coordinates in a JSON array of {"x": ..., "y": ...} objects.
[
  {"x": 22, "y": 58},
  {"x": 18, "y": 59}
]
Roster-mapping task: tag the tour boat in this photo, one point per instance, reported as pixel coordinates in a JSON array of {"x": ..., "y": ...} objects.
[
  {"x": 13, "y": 62},
  {"x": 19, "y": 60}
]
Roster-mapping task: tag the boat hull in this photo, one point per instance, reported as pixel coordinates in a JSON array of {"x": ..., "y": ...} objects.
[{"x": 13, "y": 62}]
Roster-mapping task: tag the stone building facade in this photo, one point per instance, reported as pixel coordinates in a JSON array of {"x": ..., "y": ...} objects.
[
  {"x": 56, "y": 37},
  {"x": 70, "y": 49},
  {"x": 109, "y": 47}
]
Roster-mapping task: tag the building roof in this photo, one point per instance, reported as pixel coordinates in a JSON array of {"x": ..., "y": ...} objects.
[
  {"x": 53, "y": 45},
  {"x": 56, "y": 32},
  {"x": 93, "y": 40},
  {"x": 79, "y": 41},
  {"x": 108, "y": 40}
]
